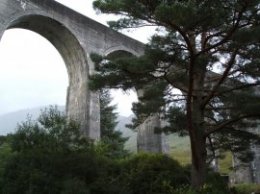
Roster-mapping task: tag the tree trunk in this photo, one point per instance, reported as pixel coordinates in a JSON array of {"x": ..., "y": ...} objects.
[
  {"x": 197, "y": 133},
  {"x": 198, "y": 144},
  {"x": 195, "y": 119},
  {"x": 199, "y": 165}
]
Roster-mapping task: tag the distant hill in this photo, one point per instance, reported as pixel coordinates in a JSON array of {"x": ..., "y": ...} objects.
[
  {"x": 8, "y": 124},
  {"x": 9, "y": 121},
  {"x": 131, "y": 144}
]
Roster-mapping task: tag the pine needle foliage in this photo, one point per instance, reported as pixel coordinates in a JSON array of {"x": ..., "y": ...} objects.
[{"x": 112, "y": 142}]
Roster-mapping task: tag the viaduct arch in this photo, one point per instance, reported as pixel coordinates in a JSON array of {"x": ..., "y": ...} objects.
[{"x": 75, "y": 37}]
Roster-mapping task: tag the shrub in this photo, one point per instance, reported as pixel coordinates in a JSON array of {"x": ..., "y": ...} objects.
[
  {"x": 152, "y": 174},
  {"x": 214, "y": 184},
  {"x": 50, "y": 156},
  {"x": 247, "y": 188}
]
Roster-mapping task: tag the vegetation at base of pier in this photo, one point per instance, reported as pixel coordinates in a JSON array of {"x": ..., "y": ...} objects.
[{"x": 50, "y": 155}]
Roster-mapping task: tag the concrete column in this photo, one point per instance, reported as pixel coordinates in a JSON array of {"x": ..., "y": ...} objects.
[
  {"x": 83, "y": 104},
  {"x": 147, "y": 139},
  {"x": 242, "y": 172},
  {"x": 94, "y": 108}
]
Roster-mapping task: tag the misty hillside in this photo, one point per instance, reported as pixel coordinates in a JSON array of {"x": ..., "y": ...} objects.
[
  {"x": 131, "y": 144},
  {"x": 9, "y": 122}
]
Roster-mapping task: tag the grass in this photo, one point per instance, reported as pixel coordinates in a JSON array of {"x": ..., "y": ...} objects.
[
  {"x": 180, "y": 151},
  {"x": 183, "y": 157},
  {"x": 225, "y": 164},
  {"x": 179, "y": 148},
  {"x": 247, "y": 188}
]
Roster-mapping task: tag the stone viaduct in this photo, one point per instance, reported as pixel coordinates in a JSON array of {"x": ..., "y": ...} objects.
[{"x": 76, "y": 36}]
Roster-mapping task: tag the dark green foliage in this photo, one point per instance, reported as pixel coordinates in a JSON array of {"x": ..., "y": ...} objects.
[
  {"x": 47, "y": 154},
  {"x": 50, "y": 156},
  {"x": 41, "y": 161},
  {"x": 112, "y": 142},
  {"x": 214, "y": 184},
  {"x": 247, "y": 188},
  {"x": 74, "y": 185},
  {"x": 5, "y": 154},
  {"x": 177, "y": 120},
  {"x": 153, "y": 174}
]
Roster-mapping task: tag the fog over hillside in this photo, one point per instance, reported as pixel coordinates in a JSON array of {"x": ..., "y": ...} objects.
[
  {"x": 131, "y": 144},
  {"x": 9, "y": 121}
]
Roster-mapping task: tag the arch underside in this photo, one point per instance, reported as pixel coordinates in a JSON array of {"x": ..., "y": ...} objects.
[
  {"x": 77, "y": 103},
  {"x": 73, "y": 35}
]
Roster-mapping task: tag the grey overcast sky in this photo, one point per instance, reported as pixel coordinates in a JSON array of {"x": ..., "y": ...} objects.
[{"x": 33, "y": 73}]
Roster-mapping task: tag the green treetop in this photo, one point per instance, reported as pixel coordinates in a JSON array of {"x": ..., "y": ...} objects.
[{"x": 112, "y": 141}]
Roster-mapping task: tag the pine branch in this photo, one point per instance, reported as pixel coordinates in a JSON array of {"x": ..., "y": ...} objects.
[
  {"x": 245, "y": 86},
  {"x": 140, "y": 26},
  {"x": 228, "y": 35},
  {"x": 219, "y": 108},
  {"x": 230, "y": 122},
  {"x": 221, "y": 80}
]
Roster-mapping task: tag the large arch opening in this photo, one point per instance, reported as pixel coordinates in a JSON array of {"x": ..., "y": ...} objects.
[
  {"x": 30, "y": 78},
  {"x": 74, "y": 56}
]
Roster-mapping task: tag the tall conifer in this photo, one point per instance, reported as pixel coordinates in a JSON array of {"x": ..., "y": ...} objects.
[{"x": 210, "y": 51}]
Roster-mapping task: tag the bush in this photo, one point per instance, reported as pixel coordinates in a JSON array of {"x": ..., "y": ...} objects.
[
  {"x": 5, "y": 154},
  {"x": 48, "y": 153},
  {"x": 152, "y": 174},
  {"x": 214, "y": 184},
  {"x": 50, "y": 156},
  {"x": 74, "y": 186},
  {"x": 247, "y": 188}
]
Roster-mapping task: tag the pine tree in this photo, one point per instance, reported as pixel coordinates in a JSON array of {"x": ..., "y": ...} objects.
[
  {"x": 112, "y": 140},
  {"x": 210, "y": 51}
]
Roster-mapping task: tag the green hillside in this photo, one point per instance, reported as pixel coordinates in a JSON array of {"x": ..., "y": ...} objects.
[
  {"x": 131, "y": 144},
  {"x": 179, "y": 146}
]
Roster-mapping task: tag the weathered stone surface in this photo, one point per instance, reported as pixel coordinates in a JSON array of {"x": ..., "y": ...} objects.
[
  {"x": 75, "y": 37},
  {"x": 148, "y": 140},
  {"x": 255, "y": 164},
  {"x": 241, "y": 173},
  {"x": 249, "y": 172}
]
